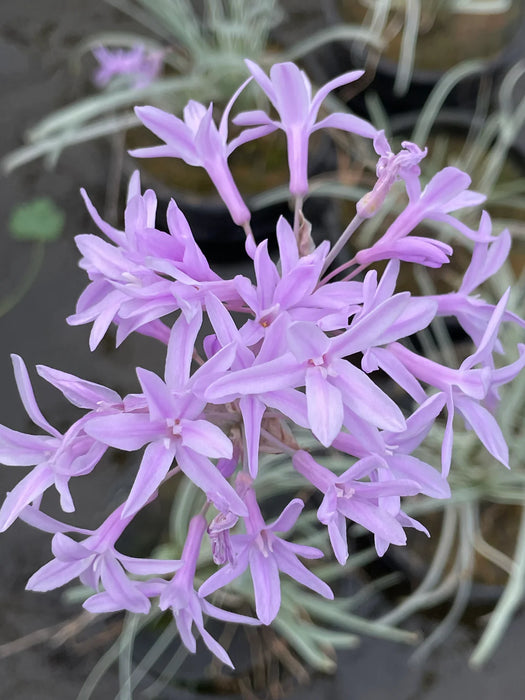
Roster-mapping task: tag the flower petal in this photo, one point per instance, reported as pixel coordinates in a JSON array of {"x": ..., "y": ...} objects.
[
  {"x": 31, "y": 487},
  {"x": 56, "y": 573},
  {"x": 126, "y": 431},
  {"x": 266, "y": 585},
  {"x": 157, "y": 460},
  {"x": 486, "y": 428},
  {"x": 78, "y": 391},
  {"x": 289, "y": 564},
  {"x": 288, "y": 517},
  {"x": 207, "y": 477},
  {"x": 28, "y": 398},
  {"x": 325, "y": 406},
  {"x": 364, "y": 397},
  {"x": 205, "y": 438},
  {"x": 252, "y": 411}
]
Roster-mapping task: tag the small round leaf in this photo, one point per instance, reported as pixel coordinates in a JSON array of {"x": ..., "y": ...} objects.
[{"x": 37, "y": 220}]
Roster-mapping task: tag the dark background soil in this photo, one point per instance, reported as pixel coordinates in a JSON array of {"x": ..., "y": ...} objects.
[{"x": 35, "y": 39}]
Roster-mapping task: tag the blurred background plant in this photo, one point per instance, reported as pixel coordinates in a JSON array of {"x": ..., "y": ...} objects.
[
  {"x": 33, "y": 225},
  {"x": 202, "y": 47},
  {"x": 421, "y": 39}
]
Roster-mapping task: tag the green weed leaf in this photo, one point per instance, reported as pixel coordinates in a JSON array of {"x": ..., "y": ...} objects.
[{"x": 37, "y": 220}]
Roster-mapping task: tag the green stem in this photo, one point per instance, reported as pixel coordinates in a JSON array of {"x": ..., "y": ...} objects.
[
  {"x": 342, "y": 241},
  {"x": 463, "y": 566},
  {"x": 431, "y": 583},
  {"x": 18, "y": 293},
  {"x": 127, "y": 641},
  {"x": 507, "y": 605}
]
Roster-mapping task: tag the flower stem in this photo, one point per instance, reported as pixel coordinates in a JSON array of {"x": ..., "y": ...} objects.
[
  {"x": 341, "y": 242},
  {"x": 250, "y": 239},
  {"x": 510, "y": 600},
  {"x": 286, "y": 449},
  {"x": 18, "y": 293},
  {"x": 297, "y": 216}
]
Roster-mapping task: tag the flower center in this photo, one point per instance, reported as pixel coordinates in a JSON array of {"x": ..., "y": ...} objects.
[
  {"x": 174, "y": 426},
  {"x": 269, "y": 315},
  {"x": 131, "y": 279},
  {"x": 264, "y": 542},
  {"x": 344, "y": 491}
]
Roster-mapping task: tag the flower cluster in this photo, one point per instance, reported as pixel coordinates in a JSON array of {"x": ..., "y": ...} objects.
[
  {"x": 138, "y": 66},
  {"x": 305, "y": 352}
]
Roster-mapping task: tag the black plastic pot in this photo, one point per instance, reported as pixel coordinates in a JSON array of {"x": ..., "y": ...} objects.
[
  {"x": 498, "y": 520},
  {"x": 381, "y": 71},
  {"x": 220, "y": 239}
]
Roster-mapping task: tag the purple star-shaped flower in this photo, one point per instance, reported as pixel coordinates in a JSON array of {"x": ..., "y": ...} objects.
[
  {"x": 446, "y": 192},
  {"x": 290, "y": 92},
  {"x": 187, "y": 606},
  {"x": 266, "y": 554},
  {"x": 199, "y": 142},
  {"x": 346, "y": 496},
  {"x": 466, "y": 387},
  {"x": 315, "y": 361},
  {"x": 57, "y": 457},
  {"x": 95, "y": 561},
  {"x": 141, "y": 66},
  {"x": 171, "y": 427}
]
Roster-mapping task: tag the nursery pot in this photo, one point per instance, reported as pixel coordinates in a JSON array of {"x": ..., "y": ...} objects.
[
  {"x": 499, "y": 524},
  {"x": 444, "y": 40}
]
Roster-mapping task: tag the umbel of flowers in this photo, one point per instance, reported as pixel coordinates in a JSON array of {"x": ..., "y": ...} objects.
[{"x": 241, "y": 390}]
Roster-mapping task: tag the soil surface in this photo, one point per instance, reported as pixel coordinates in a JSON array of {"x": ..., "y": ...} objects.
[{"x": 35, "y": 43}]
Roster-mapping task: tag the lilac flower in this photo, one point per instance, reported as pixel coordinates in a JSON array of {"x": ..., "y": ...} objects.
[
  {"x": 198, "y": 141},
  {"x": 293, "y": 291},
  {"x": 188, "y": 607},
  {"x": 141, "y": 66},
  {"x": 130, "y": 281},
  {"x": 392, "y": 450},
  {"x": 95, "y": 561},
  {"x": 266, "y": 554},
  {"x": 464, "y": 388},
  {"x": 391, "y": 167},
  {"x": 347, "y": 497},
  {"x": 472, "y": 312},
  {"x": 118, "y": 272},
  {"x": 290, "y": 92},
  {"x": 171, "y": 427},
  {"x": 386, "y": 456},
  {"x": 57, "y": 457},
  {"x": 447, "y": 191},
  {"x": 332, "y": 383}
]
